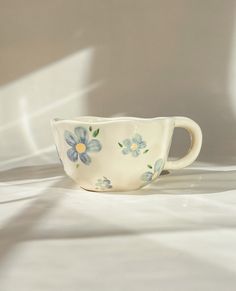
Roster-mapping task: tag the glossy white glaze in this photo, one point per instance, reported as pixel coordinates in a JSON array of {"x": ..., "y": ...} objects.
[{"x": 120, "y": 154}]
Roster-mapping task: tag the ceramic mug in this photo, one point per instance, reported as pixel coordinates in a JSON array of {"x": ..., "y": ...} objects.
[{"x": 120, "y": 154}]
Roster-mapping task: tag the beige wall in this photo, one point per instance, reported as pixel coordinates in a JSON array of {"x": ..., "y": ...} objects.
[{"x": 123, "y": 57}]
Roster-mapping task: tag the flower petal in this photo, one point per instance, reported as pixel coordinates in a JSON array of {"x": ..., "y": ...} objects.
[
  {"x": 137, "y": 138},
  {"x": 82, "y": 134},
  {"x": 94, "y": 146},
  {"x": 142, "y": 145},
  {"x": 125, "y": 151},
  {"x": 70, "y": 138},
  {"x": 72, "y": 154},
  {"x": 147, "y": 177},
  {"x": 107, "y": 184},
  {"x": 127, "y": 142},
  {"x": 158, "y": 165},
  {"x": 85, "y": 158},
  {"x": 135, "y": 153}
]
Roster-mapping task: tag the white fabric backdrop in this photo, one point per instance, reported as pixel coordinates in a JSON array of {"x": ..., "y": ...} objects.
[{"x": 143, "y": 58}]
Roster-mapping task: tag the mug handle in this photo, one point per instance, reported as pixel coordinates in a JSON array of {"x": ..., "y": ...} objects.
[{"x": 196, "y": 142}]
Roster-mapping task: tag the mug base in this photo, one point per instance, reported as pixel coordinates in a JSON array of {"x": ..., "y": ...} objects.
[{"x": 110, "y": 191}]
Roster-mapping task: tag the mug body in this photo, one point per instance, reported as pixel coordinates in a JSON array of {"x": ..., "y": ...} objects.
[{"x": 113, "y": 154}]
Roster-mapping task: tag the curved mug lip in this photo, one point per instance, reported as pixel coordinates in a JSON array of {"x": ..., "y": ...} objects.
[{"x": 104, "y": 120}]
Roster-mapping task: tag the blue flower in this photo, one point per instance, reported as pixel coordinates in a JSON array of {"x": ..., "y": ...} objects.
[
  {"x": 104, "y": 184},
  {"x": 150, "y": 176},
  {"x": 133, "y": 145},
  {"x": 81, "y": 145}
]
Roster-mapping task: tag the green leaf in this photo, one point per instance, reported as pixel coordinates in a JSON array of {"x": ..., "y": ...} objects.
[
  {"x": 90, "y": 128},
  {"x": 146, "y": 151},
  {"x": 121, "y": 145},
  {"x": 149, "y": 166},
  {"x": 96, "y": 132},
  {"x": 77, "y": 166}
]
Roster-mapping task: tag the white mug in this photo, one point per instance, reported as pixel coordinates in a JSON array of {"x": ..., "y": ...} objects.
[{"x": 122, "y": 153}]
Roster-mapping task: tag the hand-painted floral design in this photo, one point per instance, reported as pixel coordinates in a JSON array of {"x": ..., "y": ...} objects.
[
  {"x": 156, "y": 170},
  {"x": 80, "y": 144},
  {"x": 133, "y": 145},
  {"x": 103, "y": 184}
]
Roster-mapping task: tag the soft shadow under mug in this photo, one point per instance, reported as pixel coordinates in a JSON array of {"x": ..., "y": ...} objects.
[{"x": 120, "y": 154}]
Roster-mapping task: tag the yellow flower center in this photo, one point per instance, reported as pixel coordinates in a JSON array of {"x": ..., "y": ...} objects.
[
  {"x": 80, "y": 148},
  {"x": 134, "y": 146}
]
